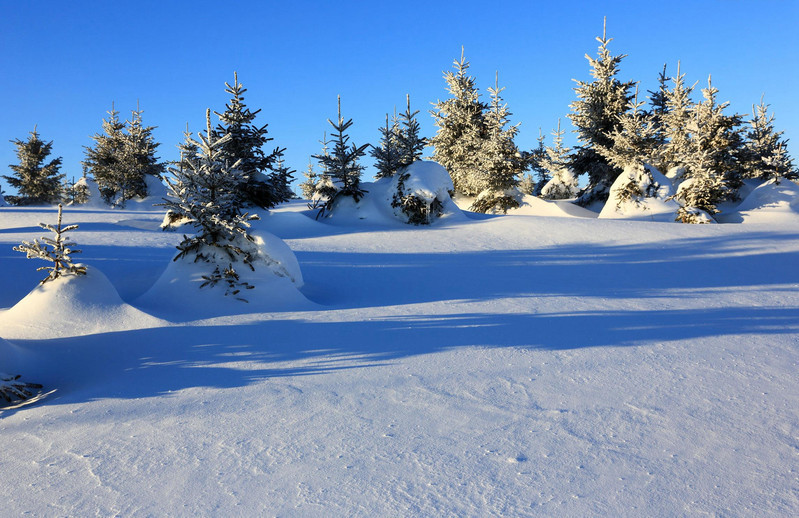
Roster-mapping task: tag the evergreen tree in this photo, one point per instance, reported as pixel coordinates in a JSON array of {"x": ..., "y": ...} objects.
[
  {"x": 562, "y": 183},
  {"x": 342, "y": 166},
  {"x": 105, "y": 160},
  {"x": 188, "y": 151},
  {"x": 676, "y": 149},
  {"x": 281, "y": 178},
  {"x": 36, "y": 180},
  {"x": 556, "y": 157},
  {"x": 387, "y": 156},
  {"x": 458, "y": 142},
  {"x": 205, "y": 196},
  {"x": 766, "y": 154},
  {"x": 596, "y": 114},
  {"x": 308, "y": 187},
  {"x": 55, "y": 250},
  {"x": 245, "y": 145},
  {"x": 635, "y": 141},
  {"x": 713, "y": 166},
  {"x": 138, "y": 159},
  {"x": 409, "y": 144},
  {"x": 658, "y": 102},
  {"x": 501, "y": 161}
]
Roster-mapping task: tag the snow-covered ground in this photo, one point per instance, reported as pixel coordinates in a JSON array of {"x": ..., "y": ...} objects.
[{"x": 537, "y": 363}]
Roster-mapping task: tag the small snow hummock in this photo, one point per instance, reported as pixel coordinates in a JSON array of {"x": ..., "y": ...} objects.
[
  {"x": 641, "y": 192},
  {"x": 420, "y": 193},
  {"x": 562, "y": 186}
]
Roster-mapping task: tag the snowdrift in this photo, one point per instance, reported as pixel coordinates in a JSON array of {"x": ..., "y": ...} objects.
[
  {"x": 767, "y": 203},
  {"x": 72, "y": 305},
  {"x": 277, "y": 279},
  {"x": 535, "y": 206},
  {"x": 640, "y": 193}
]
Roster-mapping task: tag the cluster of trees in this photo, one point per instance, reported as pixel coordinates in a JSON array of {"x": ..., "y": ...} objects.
[{"x": 123, "y": 157}]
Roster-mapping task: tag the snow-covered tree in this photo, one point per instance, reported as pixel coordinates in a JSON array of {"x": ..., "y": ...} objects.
[
  {"x": 308, "y": 187},
  {"x": 713, "y": 166},
  {"x": 562, "y": 182},
  {"x": 387, "y": 154},
  {"x": 281, "y": 178},
  {"x": 409, "y": 144},
  {"x": 502, "y": 162},
  {"x": 205, "y": 196},
  {"x": 138, "y": 159},
  {"x": 635, "y": 140},
  {"x": 658, "y": 103},
  {"x": 263, "y": 187},
  {"x": 766, "y": 154},
  {"x": 36, "y": 180},
  {"x": 532, "y": 182},
  {"x": 595, "y": 115},
  {"x": 458, "y": 143},
  {"x": 57, "y": 250},
  {"x": 342, "y": 165},
  {"x": 188, "y": 151},
  {"x": 676, "y": 149}
]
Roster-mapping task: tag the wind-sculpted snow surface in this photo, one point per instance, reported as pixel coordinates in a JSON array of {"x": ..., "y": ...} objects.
[
  {"x": 641, "y": 192},
  {"x": 513, "y": 365}
]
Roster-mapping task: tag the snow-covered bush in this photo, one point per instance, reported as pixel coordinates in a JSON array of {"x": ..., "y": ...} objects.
[
  {"x": 563, "y": 185},
  {"x": 495, "y": 201},
  {"x": 56, "y": 250},
  {"x": 641, "y": 192},
  {"x": 419, "y": 192}
]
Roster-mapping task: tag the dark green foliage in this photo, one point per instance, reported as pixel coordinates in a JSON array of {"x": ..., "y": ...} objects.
[{"x": 36, "y": 180}]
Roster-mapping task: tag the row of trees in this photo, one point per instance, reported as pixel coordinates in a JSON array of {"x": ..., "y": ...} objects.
[{"x": 123, "y": 157}]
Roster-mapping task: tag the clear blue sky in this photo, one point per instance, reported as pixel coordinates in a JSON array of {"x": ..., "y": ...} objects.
[{"x": 63, "y": 63}]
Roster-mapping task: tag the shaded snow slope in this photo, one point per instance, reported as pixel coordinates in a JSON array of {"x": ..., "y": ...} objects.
[
  {"x": 511, "y": 365},
  {"x": 72, "y": 305},
  {"x": 768, "y": 203}
]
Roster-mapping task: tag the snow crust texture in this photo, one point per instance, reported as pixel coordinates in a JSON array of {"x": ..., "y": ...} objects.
[{"x": 522, "y": 365}]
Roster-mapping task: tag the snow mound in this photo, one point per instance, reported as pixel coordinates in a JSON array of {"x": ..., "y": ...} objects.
[
  {"x": 89, "y": 187},
  {"x": 156, "y": 192},
  {"x": 769, "y": 202},
  {"x": 428, "y": 179},
  {"x": 535, "y": 206},
  {"x": 9, "y": 357},
  {"x": 276, "y": 281},
  {"x": 72, "y": 305},
  {"x": 641, "y": 192},
  {"x": 420, "y": 193},
  {"x": 562, "y": 185}
]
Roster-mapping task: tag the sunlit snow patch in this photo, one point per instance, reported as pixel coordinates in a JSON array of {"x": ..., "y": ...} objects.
[{"x": 641, "y": 192}]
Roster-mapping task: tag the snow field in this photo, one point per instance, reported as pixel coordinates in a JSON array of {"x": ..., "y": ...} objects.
[{"x": 510, "y": 365}]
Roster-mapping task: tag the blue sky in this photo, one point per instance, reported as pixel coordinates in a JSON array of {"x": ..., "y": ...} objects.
[{"x": 64, "y": 63}]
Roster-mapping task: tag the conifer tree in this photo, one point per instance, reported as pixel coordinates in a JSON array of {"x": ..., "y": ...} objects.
[
  {"x": 138, "y": 159},
  {"x": 658, "y": 102},
  {"x": 562, "y": 183},
  {"x": 105, "y": 160},
  {"x": 37, "y": 180},
  {"x": 56, "y": 250},
  {"x": 713, "y": 166},
  {"x": 409, "y": 144},
  {"x": 188, "y": 151},
  {"x": 766, "y": 155},
  {"x": 387, "y": 156},
  {"x": 539, "y": 175},
  {"x": 596, "y": 114},
  {"x": 676, "y": 149},
  {"x": 245, "y": 145},
  {"x": 281, "y": 177},
  {"x": 458, "y": 142},
  {"x": 501, "y": 161},
  {"x": 308, "y": 187},
  {"x": 342, "y": 164},
  {"x": 635, "y": 141},
  {"x": 204, "y": 195}
]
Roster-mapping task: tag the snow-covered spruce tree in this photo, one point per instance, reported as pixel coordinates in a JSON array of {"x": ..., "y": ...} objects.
[
  {"x": 324, "y": 188},
  {"x": 308, "y": 187},
  {"x": 765, "y": 151},
  {"x": 57, "y": 250},
  {"x": 713, "y": 166},
  {"x": 635, "y": 140},
  {"x": 138, "y": 160},
  {"x": 563, "y": 183},
  {"x": 13, "y": 391},
  {"x": 263, "y": 187},
  {"x": 104, "y": 160},
  {"x": 409, "y": 144},
  {"x": 387, "y": 155},
  {"x": 533, "y": 182},
  {"x": 342, "y": 166},
  {"x": 596, "y": 114},
  {"x": 36, "y": 180},
  {"x": 205, "y": 196},
  {"x": 458, "y": 142},
  {"x": 188, "y": 151},
  {"x": 502, "y": 162},
  {"x": 281, "y": 178},
  {"x": 658, "y": 103},
  {"x": 676, "y": 149}
]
